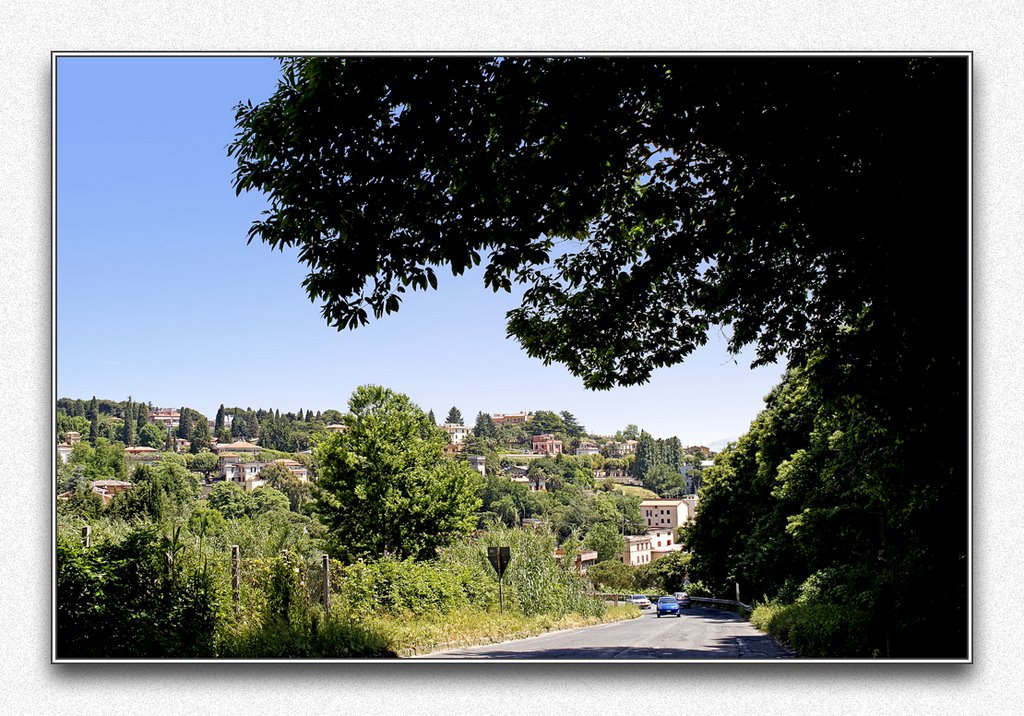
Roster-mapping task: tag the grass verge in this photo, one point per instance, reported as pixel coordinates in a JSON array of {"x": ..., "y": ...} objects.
[{"x": 426, "y": 634}]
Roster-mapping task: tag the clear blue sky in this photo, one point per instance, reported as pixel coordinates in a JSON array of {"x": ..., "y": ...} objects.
[{"x": 160, "y": 298}]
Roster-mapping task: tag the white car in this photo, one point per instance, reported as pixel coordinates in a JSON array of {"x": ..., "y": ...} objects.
[{"x": 641, "y": 601}]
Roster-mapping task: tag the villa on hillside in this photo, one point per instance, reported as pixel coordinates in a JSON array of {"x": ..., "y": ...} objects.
[
  {"x": 511, "y": 418},
  {"x": 546, "y": 444},
  {"x": 456, "y": 432},
  {"x": 165, "y": 417},
  {"x": 238, "y": 447},
  {"x": 296, "y": 468}
]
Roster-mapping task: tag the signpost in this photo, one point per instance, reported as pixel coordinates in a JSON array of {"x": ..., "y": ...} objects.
[{"x": 499, "y": 557}]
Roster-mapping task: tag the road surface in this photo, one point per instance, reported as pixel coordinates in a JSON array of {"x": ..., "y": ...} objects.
[{"x": 699, "y": 633}]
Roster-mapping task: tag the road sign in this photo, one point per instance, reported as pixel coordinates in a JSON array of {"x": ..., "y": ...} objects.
[{"x": 499, "y": 557}]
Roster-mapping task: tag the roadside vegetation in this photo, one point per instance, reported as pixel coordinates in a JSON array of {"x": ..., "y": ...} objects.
[{"x": 403, "y": 534}]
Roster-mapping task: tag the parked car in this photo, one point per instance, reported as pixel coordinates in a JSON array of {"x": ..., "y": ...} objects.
[
  {"x": 641, "y": 601},
  {"x": 668, "y": 605},
  {"x": 684, "y": 600}
]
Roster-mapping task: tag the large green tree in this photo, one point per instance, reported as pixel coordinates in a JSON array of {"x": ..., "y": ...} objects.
[
  {"x": 385, "y": 485},
  {"x": 792, "y": 201},
  {"x": 777, "y": 195}
]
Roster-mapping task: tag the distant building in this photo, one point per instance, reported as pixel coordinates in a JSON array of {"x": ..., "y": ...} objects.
[
  {"x": 336, "y": 428},
  {"x": 636, "y": 550},
  {"x": 72, "y": 437},
  {"x": 669, "y": 514},
  {"x": 622, "y": 448},
  {"x": 583, "y": 561},
  {"x": 478, "y": 463},
  {"x": 663, "y": 542},
  {"x": 240, "y": 447},
  {"x": 511, "y": 418},
  {"x": 106, "y": 489},
  {"x": 520, "y": 474},
  {"x": 587, "y": 447},
  {"x": 64, "y": 451},
  {"x": 296, "y": 468},
  {"x": 165, "y": 417},
  {"x": 241, "y": 470},
  {"x": 547, "y": 445},
  {"x": 456, "y": 432}
]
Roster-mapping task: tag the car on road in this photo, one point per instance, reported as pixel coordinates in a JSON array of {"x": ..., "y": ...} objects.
[
  {"x": 641, "y": 601},
  {"x": 668, "y": 605},
  {"x": 684, "y": 600}
]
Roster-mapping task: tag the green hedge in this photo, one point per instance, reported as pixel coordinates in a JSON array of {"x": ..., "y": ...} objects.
[{"x": 825, "y": 631}]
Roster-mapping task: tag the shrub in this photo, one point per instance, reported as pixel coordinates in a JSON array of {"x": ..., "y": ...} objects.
[
  {"x": 127, "y": 600},
  {"x": 822, "y": 631}
]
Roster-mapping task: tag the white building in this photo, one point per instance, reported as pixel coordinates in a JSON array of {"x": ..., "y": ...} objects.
[{"x": 457, "y": 433}]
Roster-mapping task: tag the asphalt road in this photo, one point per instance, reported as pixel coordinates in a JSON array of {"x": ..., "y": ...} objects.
[{"x": 700, "y": 633}]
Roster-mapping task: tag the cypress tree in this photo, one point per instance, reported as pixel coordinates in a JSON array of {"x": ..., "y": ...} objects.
[
  {"x": 218, "y": 422},
  {"x": 185, "y": 423},
  {"x": 127, "y": 435},
  {"x": 430, "y": 414}
]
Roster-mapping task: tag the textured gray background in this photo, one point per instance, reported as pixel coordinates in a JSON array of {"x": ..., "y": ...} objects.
[{"x": 30, "y": 30}]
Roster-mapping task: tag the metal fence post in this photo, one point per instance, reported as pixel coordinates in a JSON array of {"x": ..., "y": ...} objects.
[
  {"x": 327, "y": 584},
  {"x": 236, "y": 578}
]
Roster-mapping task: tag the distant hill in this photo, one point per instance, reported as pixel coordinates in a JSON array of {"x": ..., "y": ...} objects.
[{"x": 719, "y": 445}]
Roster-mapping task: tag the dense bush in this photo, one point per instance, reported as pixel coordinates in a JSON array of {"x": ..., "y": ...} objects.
[
  {"x": 817, "y": 630},
  {"x": 137, "y": 598},
  {"x": 405, "y": 586}
]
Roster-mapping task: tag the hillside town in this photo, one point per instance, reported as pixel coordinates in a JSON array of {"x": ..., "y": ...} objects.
[{"x": 525, "y": 450}]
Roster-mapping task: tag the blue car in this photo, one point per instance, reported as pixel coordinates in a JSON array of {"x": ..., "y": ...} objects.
[{"x": 668, "y": 605}]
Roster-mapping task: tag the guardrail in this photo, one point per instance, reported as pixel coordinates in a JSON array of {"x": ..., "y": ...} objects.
[
  {"x": 616, "y": 598},
  {"x": 730, "y": 602}
]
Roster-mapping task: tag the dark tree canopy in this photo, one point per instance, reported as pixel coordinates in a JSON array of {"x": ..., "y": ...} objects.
[
  {"x": 656, "y": 197},
  {"x": 454, "y": 416}
]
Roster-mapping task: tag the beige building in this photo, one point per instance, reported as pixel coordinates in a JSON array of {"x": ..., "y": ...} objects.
[
  {"x": 165, "y": 417},
  {"x": 668, "y": 513},
  {"x": 106, "y": 489},
  {"x": 296, "y": 468},
  {"x": 240, "y": 447},
  {"x": 584, "y": 560},
  {"x": 511, "y": 418},
  {"x": 636, "y": 551}
]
